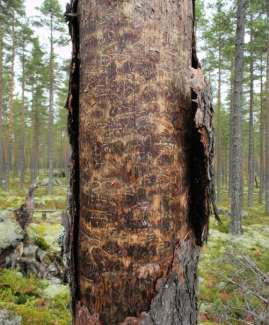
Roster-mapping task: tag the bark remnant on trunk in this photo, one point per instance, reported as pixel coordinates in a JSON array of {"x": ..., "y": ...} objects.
[{"x": 140, "y": 125}]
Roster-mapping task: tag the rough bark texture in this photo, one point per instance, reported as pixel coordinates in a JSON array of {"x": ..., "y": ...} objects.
[
  {"x": 236, "y": 150},
  {"x": 140, "y": 128}
]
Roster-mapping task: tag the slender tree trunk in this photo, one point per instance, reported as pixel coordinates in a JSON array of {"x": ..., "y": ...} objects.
[
  {"x": 218, "y": 128},
  {"x": 51, "y": 109},
  {"x": 231, "y": 122},
  {"x": 22, "y": 122},
  {"x": 35, "y": 140},
  {"x": 225, "y": 168},
  {"x": 142, "y": 148},
  {"x": 2, "y": 178},
  {"x": 267, "y": 122},
  {"x": 10, "y": 126},
  {"x": 251, "y": 171},
  {"x": 236, "y": 152},
  {"x": 261, "y": 189}
]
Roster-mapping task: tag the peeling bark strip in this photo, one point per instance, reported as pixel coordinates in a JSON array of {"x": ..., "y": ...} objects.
[
  {"x": 141, "y": 133},
  {"x": 202, "y": 170}
]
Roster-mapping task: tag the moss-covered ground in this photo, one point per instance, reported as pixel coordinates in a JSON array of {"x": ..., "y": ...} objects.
[
  {"x": 38, "y": 302},
  {"x": 227, "y": 284},
  {"x": 221, "y": 301}
]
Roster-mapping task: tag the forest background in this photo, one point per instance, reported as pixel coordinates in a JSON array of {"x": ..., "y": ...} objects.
[{"x": 34, "y": 70}]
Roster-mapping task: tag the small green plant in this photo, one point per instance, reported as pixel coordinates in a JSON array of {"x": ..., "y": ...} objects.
[
  {"x": 25, "y": 296},
  {"x": 41, "y": 243}
]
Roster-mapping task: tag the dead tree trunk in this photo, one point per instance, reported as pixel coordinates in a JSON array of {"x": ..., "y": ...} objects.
[
  {"x": 140, "y": 128},
  {"x": 25, "y": 212}
]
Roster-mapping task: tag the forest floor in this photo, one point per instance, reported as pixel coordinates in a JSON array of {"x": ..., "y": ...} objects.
[
  {"x": 37, "y": 301},
  {"x": 233, "y": 271}
]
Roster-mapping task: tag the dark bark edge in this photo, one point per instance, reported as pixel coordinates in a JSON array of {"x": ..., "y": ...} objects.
[
  {"x": 202, "y": 191},
  {"x": 72, "y": 104},
  {"x": 166, "y": 307}
]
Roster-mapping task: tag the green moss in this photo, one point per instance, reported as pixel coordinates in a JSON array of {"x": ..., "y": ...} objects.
[
  {"x": 48, "y": 232},
  {"x": 18, "y": 284},
  {"x": 51, "y": 201},
  {"x": 41, "y": 243},
  {"x": 16, "y": 196},
  {"x": 10, "y": 201},
  {"x": 216, "y": 296},
  {"x": 25, "y": 296}
]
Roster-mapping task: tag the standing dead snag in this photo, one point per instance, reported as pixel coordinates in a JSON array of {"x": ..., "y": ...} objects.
[
  {"x": 24, "y": 214},
  {"x": 140, "y": 128}
]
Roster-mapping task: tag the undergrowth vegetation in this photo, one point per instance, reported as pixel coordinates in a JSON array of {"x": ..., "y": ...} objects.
[
  {"x": 37, "y": 301},
  {"x": 27, "y": 297},
  {"x": 233, "y": 271}
]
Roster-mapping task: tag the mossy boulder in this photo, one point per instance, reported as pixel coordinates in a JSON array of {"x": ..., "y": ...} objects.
[
  {"x": 47, "y": 233},
  {"x": 9, "y": 318},
  {"x": 10, "y": 235},
  {"x": 10, "y": 231}
]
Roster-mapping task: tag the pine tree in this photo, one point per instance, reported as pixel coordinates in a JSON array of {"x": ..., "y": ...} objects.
[
  {"x": 236, "y": 146},
  {"x": 37, "y": 83},
  {"x": 251, "y": 172},
  {"x": 12, "y": 12},
  {"x": 25, "y": 37},
  {"x": 217, "y": 37},
  {"x": 256, "y": 49},
  {"x": 267, "y": 122},
  {"x": 52, "y": 18}
]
